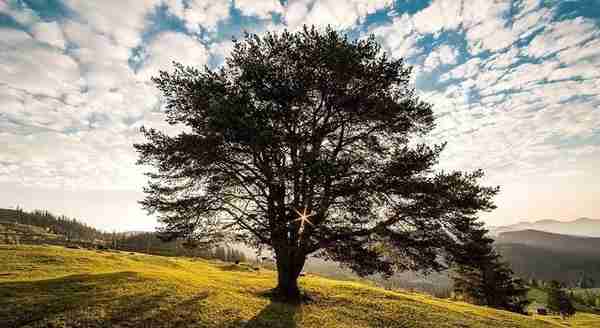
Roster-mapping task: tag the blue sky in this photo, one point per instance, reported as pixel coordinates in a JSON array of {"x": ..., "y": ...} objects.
[{"x": 515, "y": 86}]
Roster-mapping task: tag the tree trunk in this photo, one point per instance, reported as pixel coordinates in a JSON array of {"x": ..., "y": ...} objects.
[{"x": 289, "y": 265}]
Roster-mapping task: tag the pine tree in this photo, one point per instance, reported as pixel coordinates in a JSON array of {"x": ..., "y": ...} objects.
[
  {"x": 308, "y": 143},
  {"x": 559, "y": 301},
  {"x": 480, "y": 276}
]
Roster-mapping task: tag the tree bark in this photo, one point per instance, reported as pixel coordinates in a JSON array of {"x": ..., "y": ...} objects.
[{"x": 289, "y": 265}]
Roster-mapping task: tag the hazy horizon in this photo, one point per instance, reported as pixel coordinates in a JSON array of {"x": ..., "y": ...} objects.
[
  {"x": 108, "y": 218},
  {"x": 515, "y": 87}
]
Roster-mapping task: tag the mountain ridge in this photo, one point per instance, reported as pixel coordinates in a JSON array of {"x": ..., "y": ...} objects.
[
  {"x": 583, "y": 227},
  {"x": 551, "y": 256},
  {"x": 549, "y": 240}
]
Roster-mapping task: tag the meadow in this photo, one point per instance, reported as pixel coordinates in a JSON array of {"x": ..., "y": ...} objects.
[{"x": 53, "y": 286}]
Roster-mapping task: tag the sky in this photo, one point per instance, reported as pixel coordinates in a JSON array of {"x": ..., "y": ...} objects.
[{"x": 515, "y": 87}]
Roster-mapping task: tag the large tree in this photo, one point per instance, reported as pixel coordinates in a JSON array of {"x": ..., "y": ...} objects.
[{"x": 308, "y": 143}]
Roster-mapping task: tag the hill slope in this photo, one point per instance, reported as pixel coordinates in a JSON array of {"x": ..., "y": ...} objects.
[
  {"x": 552, "y": 241},
  {"x": 59, "y": 226},
  {"x": 549, "y": 256},
  {"x": 54, "y": 286},
  {"x": 581, "y": 227}
]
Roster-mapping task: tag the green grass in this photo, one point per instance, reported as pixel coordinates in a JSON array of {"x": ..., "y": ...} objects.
[
  {"x": 539, "y": 297},
  {"x": 58, "y": 287}
]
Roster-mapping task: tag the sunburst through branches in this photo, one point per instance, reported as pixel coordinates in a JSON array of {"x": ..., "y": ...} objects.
[{"x": 303, "y": 219}]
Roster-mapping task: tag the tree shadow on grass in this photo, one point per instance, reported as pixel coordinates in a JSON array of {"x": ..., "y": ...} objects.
[
  {"x": 120, "y": 299},
  {"x": 274, "y": 315},
  {"x": 83, "y": 300},
  {"x": 182, "y": 314}
]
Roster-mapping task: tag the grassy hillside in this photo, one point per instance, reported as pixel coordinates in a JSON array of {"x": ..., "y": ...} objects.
[
  {"x": 54, "y": 286},
  {"x": 15, "y": 232},
  {"x": 539, "y": 297},
  {"x": 42, "y": 227},
  {"x": 38, "y": 226}
]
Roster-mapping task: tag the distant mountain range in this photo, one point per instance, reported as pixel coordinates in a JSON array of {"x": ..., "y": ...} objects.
[
  {"x": 551, "y": 241},
  {"x": 548, "y": 256},
  {"x": 581, "y": 227}
]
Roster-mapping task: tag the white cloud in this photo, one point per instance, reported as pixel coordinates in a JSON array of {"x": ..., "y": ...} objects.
[
  {"x": 168, "y": 47},
  {"x": 443, "y": 55},
  {"x": 478, "y": 18},
  {"x": 562, "y": 35},
  {"x": 502, "y": 60},
  {"x": 28, "y": 65},
  {"x": 589, "y": 52},
  {"x": 200, "y": 13},
  {"x": 23, "y": 15},
  {"x": 221, "y": 50},
  {"x": 82, "y": 102},
  {"x": 260, "y": 8},
  {"x": 511, "y": 129},
  {"x": 479, "y": 12},
  {"x": 86, "y": 101},
  {"x": 527, "y": 6},
  {"x": 464, "y": 71},
  {"x": 490, "y": 35},
  {"x": 486, "y": 26},
  {"x": 483, "y": 22},
  {"x": 399, "y": 37},
  {"x": 439, "y": 15},
  {"x": 95, "y": 159},
  {"x": 103, "y": 61},
  {"x": 528, "y": 22},
  {"x": 50, "y": 33},
  {"x": 122, "y": 21},
  {"x": 340, "y": 14},
  {"x": 582, "y": 71}
]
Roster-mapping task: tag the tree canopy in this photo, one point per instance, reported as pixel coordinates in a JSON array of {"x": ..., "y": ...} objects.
[{"x": 309, "y": 122}]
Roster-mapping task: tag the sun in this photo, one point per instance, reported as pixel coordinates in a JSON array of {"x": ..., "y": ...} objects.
[{"x": 303, "y": 219}]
